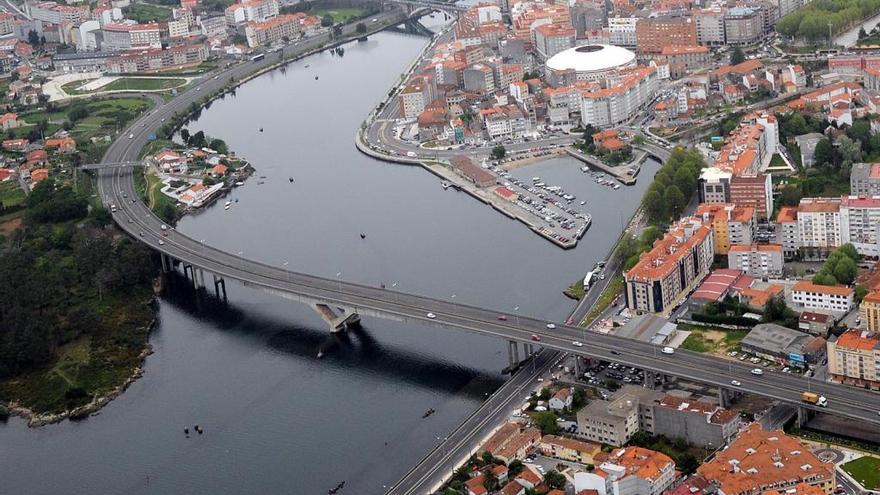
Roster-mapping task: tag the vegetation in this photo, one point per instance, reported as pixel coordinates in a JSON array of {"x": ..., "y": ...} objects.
[
  {"x": 677, "y": 449},
  {"x": 712, "y": 340},
  {"x": 75, "y": 318},
  {"x": 865, "y": 470},
  {"x": 342, "y": 15},
  {"x": 614, "y": 289},
  {"x": 674, "y": 183},
  {"x": 144, "y": 84},
  {"x": 737, "y": 56},
  {"x": 777, "y": 311},
  {"x": 811, "y": 22},
  {"x": 546, "y": 422},
  {"x": 499, "y": 152},
  {"x": 631, "y": 247},
  {"x": 145, "y": 12},
  {"x": 840, "y": 267}
]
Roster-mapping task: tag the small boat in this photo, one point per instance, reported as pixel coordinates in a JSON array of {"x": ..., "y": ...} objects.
[
  {"x": 236, "y": 200},
  {"x": 583, "y": 203},
  {"x": 262, "y": 176},
  {"x": 261, "y": 129},
  {"x": 428, "y": 413},
  {"x": 307, "y": 66},
  {"x": 445, "y": 184},
  {"x": 290, "y": 179},
  {"x": 261, "y": 182},
  {"x": 585, "y": 169},
  {"x": 228, "y": 204},
  {"x": 316, "y": 78},
  {"x": 363, "y": 236},
  {"x": 239, "y": 183}
]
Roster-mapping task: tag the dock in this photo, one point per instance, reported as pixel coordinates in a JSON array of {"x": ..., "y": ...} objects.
[{"x": 621, "y": 172}]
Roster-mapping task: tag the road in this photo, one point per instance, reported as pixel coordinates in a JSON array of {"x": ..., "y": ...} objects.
[{"x": 433, "y": 470}]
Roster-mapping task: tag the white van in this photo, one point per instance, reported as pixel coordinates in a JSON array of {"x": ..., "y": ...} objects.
[{"x": 668, "y": 350}]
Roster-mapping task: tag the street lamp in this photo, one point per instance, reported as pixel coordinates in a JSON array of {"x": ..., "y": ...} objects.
[
  {"x": 241, "y": 259},
  {"x": 516, "y": 315},
  {"x": 339, "y": 281},
  {"x": 454, "y": 307},
  {"x": 286, "y": 271}
]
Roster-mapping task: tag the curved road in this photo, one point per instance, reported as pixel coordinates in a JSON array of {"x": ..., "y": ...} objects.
[{"x": 136, "y": 219}]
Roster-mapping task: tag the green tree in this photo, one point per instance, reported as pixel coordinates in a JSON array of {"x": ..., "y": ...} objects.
[
  {"x": 546, "y": 422},
  {"x": 490, "y": 481},
  {"x": 790, "y": 195},
  {"x": 849, "y": 251},
  {"x": 684, "y": 179},
  {"x": 327, "y": 21},
  {"x": 737, "y": 56},
  {"x": 361, "y": 28},
  {"x": 823, "y": 154},
  {"x": 554, "y": 480},
  {"x": 219, "y": 146},
  {"x": 514, "y": 468},
  {"x": 184, "y": 136},
  {"x": 655, "y": 207},
  {"x": 33, "y": 38},
  {"x": 498, "y": 152},
  {"x": 860, "y": 131},
  {"x": 687, "y": 463},
  {"x": 198, "y": 140},
  {"x": 845, "y": 271},
  {"x": 674, "y": 200}
]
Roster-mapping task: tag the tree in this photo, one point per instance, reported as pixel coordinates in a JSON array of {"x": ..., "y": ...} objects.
[
  {"x": 197, "y": 140},
  {"x": 498, "y": 152},
  {"x": 774, "y": 309},
  {"x": 737, "y": 56},
  {"x": 655, "y": 208},
  {"x": 823, "y": 154},
  {"x": 860, "y": 131},
  {"x": 845, "y": 271},
  {"x": 327, "y": 21},
  {"x": 687, "y": 463},
  {"x": 184, "y": 136},
  {"x": 684, "y": 179},
  {"x": 490, "y": 481},
  {"x": 790, "y": 195},
  {"x": 849, "y": 251},
  {"x": 546, "y": 422},
  {"x": 674, "y": 200},
  {"x": 219, "y": 146},
  {"x": 650, "y": 234},
  {"x": 514, "y": 468},
  {"x": 33, "y": 38},
  {"x": 554, "y": 480},
  {"x": 850, "y": 150},
  {"x": 361, "y": 28}
]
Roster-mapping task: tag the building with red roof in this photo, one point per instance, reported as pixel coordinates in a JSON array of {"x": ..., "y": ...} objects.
[{"x": 854, "y": 358}]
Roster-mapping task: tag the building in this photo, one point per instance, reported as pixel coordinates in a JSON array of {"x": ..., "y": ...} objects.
[
  {"x": 54, "y": 13},
  {"x": 621, "y": 100},
  {"x": 807, "y": 145},
  {"x": 757, "y": 260},
  {"x": 731, "y": 224},
  {"x": 787, "y": 231},
  {"x": 561, "y": 400},
  {"x": 784, "y": 345},
  {"x": 684, "y": 60},
  {"x": 710, "y": 26},
  {"x": 639, "y": 471},
  {"x": 815, "y": 323},
  {"x": 569, "y": 449},
  {"x": 551, "y": 39},
  {"x": 743, "y": 26},
  {"x": 699, "y": 423},
  {"x": 864, "y": 179},
  {"x": 854, "y": 358},
  {"x": 818, "y": 224},
  {"x": 806, "y": 294},
  {"x": 251, "y": 11},
  {"x": 275, "y": 29},
  {"x": 622, "y": 31},
  {"x": 612, "y": 422},
  {"x": 869, "y": 309},
  {"x": 413, "y": 99},
  {"x": 674, "y": 264},
  {"x": 760, "y": 460},
  {"x": 471, "y": 171},
  {"x": 130, "y": 36},
  {"x": 591, "y": 62},
  {"x": 157, "y": 59},
  {"x": 859, "y": 224},
  {"x": 653, "y": 33},
  {"x": 511, "y": 442}
]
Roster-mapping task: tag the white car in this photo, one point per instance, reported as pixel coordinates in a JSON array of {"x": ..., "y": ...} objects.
[
  {"x": 577, "y": 344},
  {"x": 431, "y": 315},
  {"x": 668, "y": 350},
  {"x": 757, "y": 371},
  {"x": 735, "y": 383},
  {"x": 161, "y": 242},
  {"x": 551, "y": 326},
  {"x": 131, "y": 136}
]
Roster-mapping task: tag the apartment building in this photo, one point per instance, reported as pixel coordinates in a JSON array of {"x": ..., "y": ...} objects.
[
  {"x": 679, "y": 260},
  {"x": 525, "y": 15},
  {"x": 653, "y": 33},
  {"x": 818, "y": 224},
  {"x": 760, "y": 460},
  {"x": 261, "y": 33},
  {"x": 684, "y": 60},
  {"x": 639, "y": 471},
  {"x": 854, "y": 358},
  {"x": 157, "y": 59},
  {"x": 611, "y": 422},
  {"x": 55, "y": 13},
  {"x": 869, "y": 311},
  {"x": 806, "y": 294},
  {"x": 864, "y": 179},
  {"x": 731, "y": 224},
  {"x": 413, "y": 99},
  {"x": 757, "y": 260},
  {"x": 251, "y": 11},
  {"x": 859, "y": 224},
  {"x": 710, "y": 26},
  {"x": 743, "y": 26},
  {"x": 622, "y": 31},
  {"x": 551, "y": 39},
  {"x": 619, "y": 101},
  {"x": 130, "y": 36}
]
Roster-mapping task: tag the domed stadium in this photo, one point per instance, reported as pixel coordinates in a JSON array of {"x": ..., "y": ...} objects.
[{"x": 591, "y": 62}]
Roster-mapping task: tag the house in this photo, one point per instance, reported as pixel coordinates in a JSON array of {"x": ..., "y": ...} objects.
[
  {"x": 475, "y": 486},
  {"x": 9, "y": 121},
  {"x": 219, "y": 170},
  {"x": 815, "y": 323},
  {"x": 6, "y": 174},
  {"x": 561, "y": 400},
  {"x": 506, "y": 193},
  {"x": 19, "y": 145},
  {"x": 39, "y": 174},
  {"x": 513, "y": 488},
  {"x": 806, "y": 294},
  {"x": 569, "y": 449},
  {"x": 169, "y": 161},
  {"x": 36, "y": 157},
  {"x": 63, "y": 145}
]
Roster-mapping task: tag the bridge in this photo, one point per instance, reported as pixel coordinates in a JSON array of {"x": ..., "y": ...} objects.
[
  {"x": 109, "y": 165},
  {"x": 432, "y": 4},
  {"x": 204, "y": 263}
]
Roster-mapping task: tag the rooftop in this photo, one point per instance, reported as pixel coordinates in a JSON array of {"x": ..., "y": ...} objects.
[{"x": 591, "y": 58}]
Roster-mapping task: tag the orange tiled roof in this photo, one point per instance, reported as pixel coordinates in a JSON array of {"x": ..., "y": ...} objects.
[
  {"x": 836, "y": 290},
  {"x": 859, "y": 339}
]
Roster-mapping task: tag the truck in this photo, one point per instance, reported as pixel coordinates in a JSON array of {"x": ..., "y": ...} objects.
[{"x": 815, "y": 399}]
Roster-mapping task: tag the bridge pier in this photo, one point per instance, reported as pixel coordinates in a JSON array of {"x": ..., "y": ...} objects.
[
  {"x": 723, "y": 397},
  {"x": 338, "y": 319},
  {"x": 650, "y": 379},
  {"x": 189, "y": 272},
  {"x": 167, "y": 264},
  {"x": 199, "y": 278},
  {"x": 803, "y": 416},
  {"x": 513, "y": 353},
  {"x": 220, "y": 283}
]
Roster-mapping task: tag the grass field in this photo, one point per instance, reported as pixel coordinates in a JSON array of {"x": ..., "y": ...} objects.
[
  {"x": 145, "y": 13},
  {"x": 865, "y": 470},
  {"x": 11, "y": 194},
  {"x": 341, "y": 15},
  {"x": 615, "y": 288},
  {"x": 712, "y": 341},
  {"x": 105, "y": 116},
  {"x": 144, "y": 84}
]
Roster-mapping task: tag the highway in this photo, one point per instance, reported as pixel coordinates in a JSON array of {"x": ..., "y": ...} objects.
[{"x": 135, "y": 218}]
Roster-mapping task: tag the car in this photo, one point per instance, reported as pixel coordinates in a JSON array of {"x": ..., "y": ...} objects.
[
  {"x": 163, "y": 227},
  {"x": 616, "y": 353},
  {"x": 668, "y": 350},
  {"x": 735, "y": 383},
  {"x": 757, "y": 371},
  {"x": 577, "y": 344},
  {"x": 161, "y": 242},
  {"x": 551, "y": 326},
  {"x": 199, "y": 88},
  {"x": 502, "y": 317},
  {"x": 131, "y": 136},
  {"x": 165, "y": 234},
  {"x": 431, "y": 315},
  {"x": 536, "y": 338}
]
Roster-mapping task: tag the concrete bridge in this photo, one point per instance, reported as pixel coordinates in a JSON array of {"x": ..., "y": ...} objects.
[{"x": 432, "y": 4}]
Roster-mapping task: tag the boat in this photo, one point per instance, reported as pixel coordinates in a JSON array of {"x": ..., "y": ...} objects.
[
  {"x": 445, "y": 184},
  {"x": 316, "y": 78},
  {"x": 585, "y": 169},
  {"x": 363, "y": 236},
  {"x": 428, "y": 413},
  {"x": 228, "y": 203},
  {"x": 307, "y": 66},
  {"x": 239, "y": 183},
  {"x": 261, "y": 129},
  {"x": 616, "y": 186},
  {"x": 583, "y": 203},
  {"x": 261, "y": 182},
  {"x": 290, "y": 179}
]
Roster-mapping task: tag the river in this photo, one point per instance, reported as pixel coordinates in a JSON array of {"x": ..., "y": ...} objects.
[{"x": 276, "y": 418}]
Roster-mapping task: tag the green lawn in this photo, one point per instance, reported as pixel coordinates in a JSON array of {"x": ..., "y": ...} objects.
[
  {"x": 341, "y": 15},
  {"x": 865, "y": 470},
  {"x": 615, "y": 288},
  {"x": 143, "y": 84},
  {"x": 712, "y": 340},
  {"x": 145, "y": 13},
  {"x": 11, "y": 194}
]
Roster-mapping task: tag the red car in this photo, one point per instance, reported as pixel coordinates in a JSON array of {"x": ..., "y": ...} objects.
[
  {"x": 502, "y": 318},
  {"x": 569, "y": 321},
  {"x": 536, "y": 338}
]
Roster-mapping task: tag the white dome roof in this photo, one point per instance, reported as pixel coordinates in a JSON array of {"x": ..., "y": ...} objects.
[{"x": 591, "y": 58}]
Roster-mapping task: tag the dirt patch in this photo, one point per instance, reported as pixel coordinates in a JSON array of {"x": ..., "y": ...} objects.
[{"x": 11, "y": 225}]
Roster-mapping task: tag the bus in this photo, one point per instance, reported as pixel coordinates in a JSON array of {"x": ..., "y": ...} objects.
[{"x": 258, "y": 57}]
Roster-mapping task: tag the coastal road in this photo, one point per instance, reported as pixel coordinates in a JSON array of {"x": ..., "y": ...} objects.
[{"x": 454, "y": 450}]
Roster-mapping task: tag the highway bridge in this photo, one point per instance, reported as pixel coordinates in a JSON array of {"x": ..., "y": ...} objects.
[{"x": 198, "y": 259}]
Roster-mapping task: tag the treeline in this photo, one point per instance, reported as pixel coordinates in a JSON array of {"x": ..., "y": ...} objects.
[
  {"x": 673, "y": 186},
  {"x": 58, "y": 273},
  {"x": 811, "y": 21},
  {"x": 840, "y": 267}
]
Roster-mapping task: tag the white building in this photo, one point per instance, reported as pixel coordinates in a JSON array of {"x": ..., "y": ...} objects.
[
  {"x": 808, "y": 295},
  {"x": 710, "y": 26},
  {"x": 756, "y": 260},
  {"x": 859, "y": 223},
  {"x": 622, "y": 31},
  {"x": 251, "y": 11},
  {"x": 412, "y": 101},
  {"x": 818, "y": 223},
  {"x": 619, "y": 102}
]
